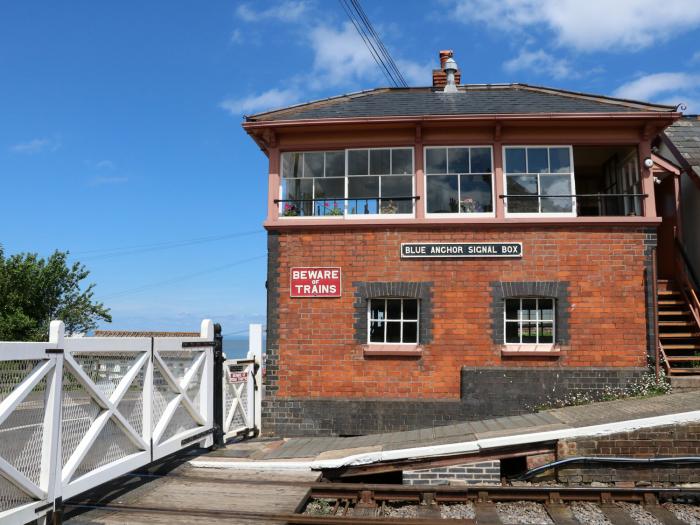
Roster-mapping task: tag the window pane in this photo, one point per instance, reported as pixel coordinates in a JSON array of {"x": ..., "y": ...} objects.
[
  {"x": 335, "y": 164},
  {"x": 442, "y": 193},
  {"x": 376, "y": 309},
  {"x": 410, "y": 309},
  {"x": 376, "y": 332},
  {"x": 333, "y": 188},
  {"x": 357, "y": 162},
  {"x": 512, "y": 308},
  {"x": 436, "y": 160},
  {"x": 293, "y": 189},
  {"x": 393, "y": 309},
  {"x": 291, "y": 165},
  {"x": 363, "y": 187},
  {"x": 556, "y": 185},
  {"x": 515, "y": 160},
  {"x": 458, "y": 160},
  {"x": 379, "y": 161},
  {"x": 401, "y": 186},
  {"x": 546, "y": 309},
  {"x": 481, "y": 160},
  {"x": 512, "y": 333},
  {"x": 410, "y": 332},
  {"x": 313, "y": 164},
  {"x": 402, "y": 161},
  {"x": 537, "y": 160},
  {"x": 476, "y": 194},
  {"x": 529, "y": 332},
  {"x": 559, "y": 161},
  {"x": 393, "y": 332},
  {"x": 546, "y": 333},
  {"x": 529, "y": 311},
  {"x": 522, "y": 185}
]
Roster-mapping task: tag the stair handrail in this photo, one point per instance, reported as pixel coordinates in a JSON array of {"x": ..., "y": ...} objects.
[{"x": 687, "y": 277}]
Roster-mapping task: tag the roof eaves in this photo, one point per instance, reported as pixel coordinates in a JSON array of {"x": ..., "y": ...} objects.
[{"x": 600, "y": 98}]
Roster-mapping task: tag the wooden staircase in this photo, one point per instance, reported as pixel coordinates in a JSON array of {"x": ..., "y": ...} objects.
[{"x": 678, "y": 329}]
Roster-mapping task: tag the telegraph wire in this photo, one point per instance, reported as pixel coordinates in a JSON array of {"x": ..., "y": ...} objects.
[
  {"x": 374, "y": 44},
  {"x": 106, "y": 253},
  {"x": 180, "y": 278}
]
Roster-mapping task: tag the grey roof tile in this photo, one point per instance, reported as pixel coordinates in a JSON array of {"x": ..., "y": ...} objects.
[
  {"x": 470, "y": 100},
  {"x": 685, "y": 136}
]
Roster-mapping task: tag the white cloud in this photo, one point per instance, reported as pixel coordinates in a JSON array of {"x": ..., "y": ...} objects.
[
  {"x": 590, "y": 25},
  {"x": 236, "y": 36},
  {"x": 104, "y": 181},
  {"x": 695, "y": 58},
  {"x": 105, "y": 165},
  {"x": 649, "y": 87},
  {"x": 36, "y": 146},
  {"x": 270, "y": 99},
  {"x": 540, "y": 62},
  {"x": 286, "y": 11}
]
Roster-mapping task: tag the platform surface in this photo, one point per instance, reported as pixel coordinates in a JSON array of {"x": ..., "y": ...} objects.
[{"x": 317, "y": 448}]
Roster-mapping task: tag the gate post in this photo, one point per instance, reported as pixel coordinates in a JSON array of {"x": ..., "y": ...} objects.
[
  {"x": 255, "y": 352},
  {"x": 218, "y": 387}
]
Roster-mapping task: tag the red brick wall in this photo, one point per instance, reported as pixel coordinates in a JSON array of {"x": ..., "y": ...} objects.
[{"x": 318, "y": 354}]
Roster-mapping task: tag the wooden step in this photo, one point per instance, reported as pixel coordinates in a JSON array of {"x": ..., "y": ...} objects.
[
  {"x": 670, "y": 313},
  {"x": 668, "y": 293},
  {"x": 680, "y": 346},
  {"x": 676, "y": 323},
  {"x": 695, "y": 371},
  {"x": 679, "y": 335},
  {"x": 671, "y": 302},
  {"x": 683, "y": 358}
]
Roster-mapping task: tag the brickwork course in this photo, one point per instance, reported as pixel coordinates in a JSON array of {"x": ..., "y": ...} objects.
[
  {"x": 484, "y": 472},
  {"x": 320, "y": 380}
]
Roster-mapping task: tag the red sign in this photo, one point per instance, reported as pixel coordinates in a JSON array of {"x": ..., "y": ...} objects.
[{"x": 314, "y": 282}]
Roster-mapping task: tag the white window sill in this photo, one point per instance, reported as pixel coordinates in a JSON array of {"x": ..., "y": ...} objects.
[
  {"x": 392, "y": 350},
  {"x": 530, "y": 350}
]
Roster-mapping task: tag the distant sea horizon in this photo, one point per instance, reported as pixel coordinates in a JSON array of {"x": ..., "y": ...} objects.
[{"x": 237, "y": 348}]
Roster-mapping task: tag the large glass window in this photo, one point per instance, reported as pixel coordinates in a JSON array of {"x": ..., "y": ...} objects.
[
  {"x": 392, "y": 320},
  {"x": 380, "y": 181},
  {"x": 529, "y": 320},
  {"x": 541, "y": 177},
  {"x": 459, "y": 180},
  {"x": 313, "y": 183},
  {"x": 367, "y": 181}
]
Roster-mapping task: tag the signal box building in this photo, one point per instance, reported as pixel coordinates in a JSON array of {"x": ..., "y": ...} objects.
[{"x": 455, "y": 252}]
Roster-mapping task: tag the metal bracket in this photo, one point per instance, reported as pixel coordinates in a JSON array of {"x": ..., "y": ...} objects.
[
  {"x": 197, "y": 344},
  {"x": 196, "y": 437},
  {"x": 54, "y": 350}
]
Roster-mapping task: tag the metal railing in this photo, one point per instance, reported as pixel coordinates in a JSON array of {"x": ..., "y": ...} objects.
[
  {"x": 585, "y": 204},
  {"x": 324, "y": 207}
]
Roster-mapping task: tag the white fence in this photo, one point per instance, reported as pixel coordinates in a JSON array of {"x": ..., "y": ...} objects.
[{"x": 77, "y": 412}]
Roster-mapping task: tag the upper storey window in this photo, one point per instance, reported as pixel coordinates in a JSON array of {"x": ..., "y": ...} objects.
[
  {"x": 459, "y": 180},
  {"x": 349, "y": 182},
  {"x": 539, "y": 180}
]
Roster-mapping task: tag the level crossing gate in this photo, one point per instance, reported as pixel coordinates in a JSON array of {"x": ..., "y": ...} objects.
[{"x": 77, "y": 412}]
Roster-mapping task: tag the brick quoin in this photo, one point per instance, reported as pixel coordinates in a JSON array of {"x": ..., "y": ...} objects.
[{"x": 319, "y": 357}]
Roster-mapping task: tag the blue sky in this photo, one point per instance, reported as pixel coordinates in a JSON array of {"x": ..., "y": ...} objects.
[{"x": 120, "y": 135}]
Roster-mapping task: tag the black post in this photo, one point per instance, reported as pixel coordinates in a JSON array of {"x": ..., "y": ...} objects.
[{"x": 218, "y": 387}]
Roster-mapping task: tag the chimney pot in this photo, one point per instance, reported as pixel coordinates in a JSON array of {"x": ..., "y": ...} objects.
[
  {"x": 444, "y": 55},
  {"x": 440, "y": 75}
]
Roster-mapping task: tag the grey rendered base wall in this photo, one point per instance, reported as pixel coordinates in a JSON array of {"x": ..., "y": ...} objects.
[
  {"x": 485, "y": 393},
  {"x": 485, "y": 472}
]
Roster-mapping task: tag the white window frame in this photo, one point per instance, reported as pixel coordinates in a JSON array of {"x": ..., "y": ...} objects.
[
  {"x": 459, "y": 214},
  {"x": 537, "y": 321},
  {"x": 385, "y": 321},
  {"x": 360, "y": 216},
  {"x": 572, "y": 175}
]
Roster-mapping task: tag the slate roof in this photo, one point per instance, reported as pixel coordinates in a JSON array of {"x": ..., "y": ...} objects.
[
  {"x": 470, "y": 100},
  {"x": 684, "y": 134}
]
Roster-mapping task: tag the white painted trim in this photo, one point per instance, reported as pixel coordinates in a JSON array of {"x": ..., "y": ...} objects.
[{"x": 458, "y": 448}]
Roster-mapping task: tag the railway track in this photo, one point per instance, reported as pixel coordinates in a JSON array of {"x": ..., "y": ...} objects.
[{"x": 375, "y": 504}]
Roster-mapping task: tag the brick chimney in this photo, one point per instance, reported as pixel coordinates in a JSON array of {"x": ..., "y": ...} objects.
[{"x": 439, "y": 75}]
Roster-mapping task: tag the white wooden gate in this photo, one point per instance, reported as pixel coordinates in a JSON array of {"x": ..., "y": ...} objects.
[
  {"x": 78, "y": 412},
  {"x": 242, "y": 389}
]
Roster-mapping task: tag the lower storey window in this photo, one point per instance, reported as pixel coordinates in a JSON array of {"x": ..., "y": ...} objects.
[
  {"x": 529, "y": 320},
  {"x": 393, "y": 320}
]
